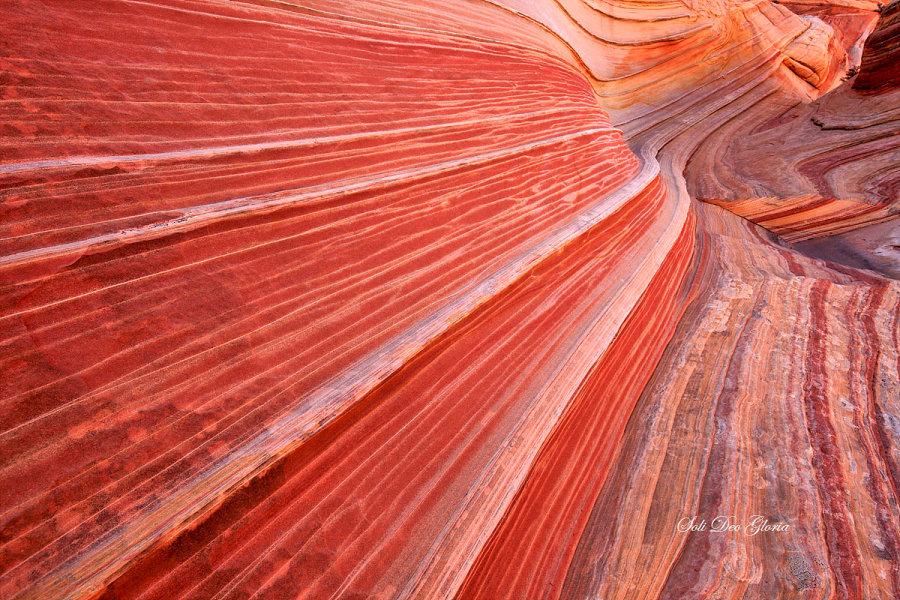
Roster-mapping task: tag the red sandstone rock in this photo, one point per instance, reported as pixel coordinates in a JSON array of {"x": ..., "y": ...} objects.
[
  {"x": 880, "y": 66},
  {"x": 351, "y": 300}
]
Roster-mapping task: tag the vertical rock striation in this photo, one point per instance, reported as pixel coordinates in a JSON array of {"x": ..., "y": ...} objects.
[{"x": 879, "y": 66}]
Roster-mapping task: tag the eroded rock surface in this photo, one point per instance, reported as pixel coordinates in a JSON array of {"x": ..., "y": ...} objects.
[{"x": 435, "y": 299}]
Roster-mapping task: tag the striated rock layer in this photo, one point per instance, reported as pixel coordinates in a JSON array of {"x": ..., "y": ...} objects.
[
  {"x": 880, "y": 63},
  {"x": 473, "y": 299}
]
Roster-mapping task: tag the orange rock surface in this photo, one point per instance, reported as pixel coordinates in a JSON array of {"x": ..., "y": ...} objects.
[{"x": 449, "y": 299}]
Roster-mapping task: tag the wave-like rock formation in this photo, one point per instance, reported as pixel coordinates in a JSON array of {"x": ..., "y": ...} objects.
[
  {"x": 449, "y": 299},
  {"x": 880, "y": 63}
]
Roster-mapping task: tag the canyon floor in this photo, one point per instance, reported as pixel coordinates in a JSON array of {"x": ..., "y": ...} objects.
[{"x": 475, "y": 299}]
